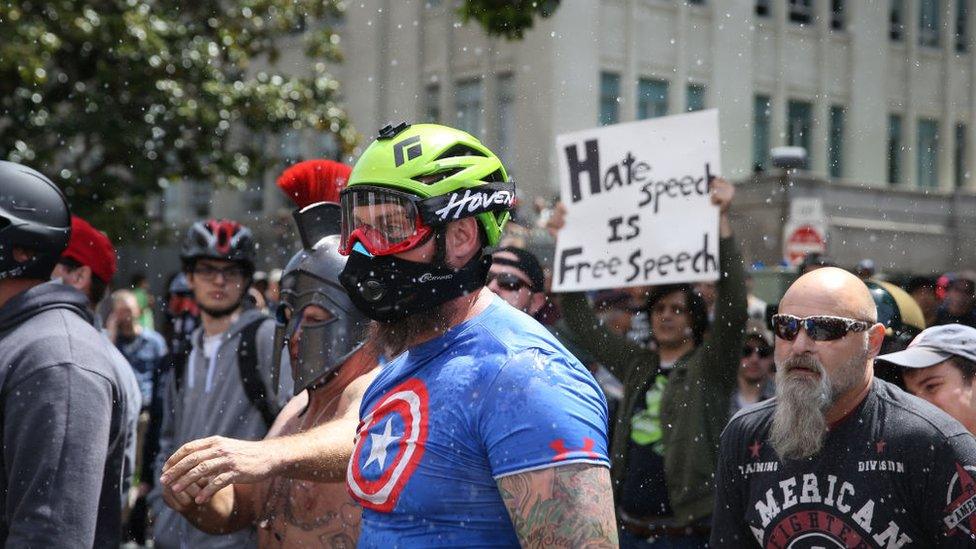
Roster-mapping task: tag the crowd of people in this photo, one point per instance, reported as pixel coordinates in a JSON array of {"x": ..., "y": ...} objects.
[{"x": 408, "y": 380}]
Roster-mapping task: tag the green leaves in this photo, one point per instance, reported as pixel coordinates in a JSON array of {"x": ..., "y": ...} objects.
[
  {"x": 113, "y": 99},
  {"x": 507, "y": 18}
]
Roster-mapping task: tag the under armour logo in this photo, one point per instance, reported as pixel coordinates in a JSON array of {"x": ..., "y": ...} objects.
[
  {"x": 563, "y": 452},
  {"x": 411, "y": 144}
]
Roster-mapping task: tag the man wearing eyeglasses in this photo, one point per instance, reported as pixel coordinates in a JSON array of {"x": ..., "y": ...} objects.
[
  {"x": 840, "y": 458},
  {"x": 225, "y": 387}
]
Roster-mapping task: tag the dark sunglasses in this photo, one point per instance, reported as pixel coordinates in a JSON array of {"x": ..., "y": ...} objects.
[
  {"x": 508, "y": 281},
  {"x": 763, "y": 352},
  {"x": 819, "y": 328}
]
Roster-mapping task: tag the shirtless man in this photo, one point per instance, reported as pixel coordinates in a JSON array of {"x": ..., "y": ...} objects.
[{"x": 291, "y": 484}]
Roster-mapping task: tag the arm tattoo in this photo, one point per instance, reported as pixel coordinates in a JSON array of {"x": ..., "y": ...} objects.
[{"x": 567, "y": 506}]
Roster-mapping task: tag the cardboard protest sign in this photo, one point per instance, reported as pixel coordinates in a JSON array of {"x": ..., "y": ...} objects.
[{"x": 638, "y": 208}]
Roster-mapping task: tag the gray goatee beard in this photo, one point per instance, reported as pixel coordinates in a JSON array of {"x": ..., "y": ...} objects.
[
  {"x": 394, "y": 337},
  {"x": 799, "y": 420}
]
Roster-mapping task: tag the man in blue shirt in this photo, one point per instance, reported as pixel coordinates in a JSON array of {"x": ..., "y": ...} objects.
[{"x": 482, "y": 430}]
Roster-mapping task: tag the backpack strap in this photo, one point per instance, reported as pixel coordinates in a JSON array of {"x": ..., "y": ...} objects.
[
  {"x": 178, "y": 359},
  {"x": 247, "y": 361}
]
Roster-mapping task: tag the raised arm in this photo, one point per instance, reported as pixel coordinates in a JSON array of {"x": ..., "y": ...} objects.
[
  {"x": 618, "y": 354},
  {"x": 565, "y": 506},
  {"x": 726, "y": 332}
]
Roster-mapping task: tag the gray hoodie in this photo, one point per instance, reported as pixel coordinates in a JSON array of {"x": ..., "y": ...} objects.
[
  {"x": 61, "y": 408},
  {"x": 132, "y": 396},
  {"x": 212, "y": 401}
]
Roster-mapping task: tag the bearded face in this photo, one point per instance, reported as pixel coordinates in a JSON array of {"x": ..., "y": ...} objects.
[
  {"x": 394, "y": 337},
  {"x": 804, "y": 393}
]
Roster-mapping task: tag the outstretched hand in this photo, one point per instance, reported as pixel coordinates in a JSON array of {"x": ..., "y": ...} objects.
[
  {"x": 215, "y": 462},
  {"x": 183, "y": 501}
]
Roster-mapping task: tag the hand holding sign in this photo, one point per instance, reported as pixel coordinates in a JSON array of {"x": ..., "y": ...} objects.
[
  {"x": 639, "y": 205},
  {"x": 722, "y": 193}
]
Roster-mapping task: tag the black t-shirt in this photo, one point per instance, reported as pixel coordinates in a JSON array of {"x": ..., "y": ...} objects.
[
  {"x": 645, "y": 491},
  {"x": 897, "y": 472}
]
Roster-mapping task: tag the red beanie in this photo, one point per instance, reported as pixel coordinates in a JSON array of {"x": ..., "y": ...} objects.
[{"x": 91, "y": 247}]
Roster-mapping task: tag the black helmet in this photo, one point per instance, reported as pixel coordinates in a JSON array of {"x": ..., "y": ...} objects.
[
  {"x": 218, "y": 239},
  {"x": 34, "y": 215}
]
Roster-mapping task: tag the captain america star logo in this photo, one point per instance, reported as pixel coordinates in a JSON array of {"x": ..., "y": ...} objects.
[
  {"x": 389, "y": 445},
  {"x": 961, "y": 502}
]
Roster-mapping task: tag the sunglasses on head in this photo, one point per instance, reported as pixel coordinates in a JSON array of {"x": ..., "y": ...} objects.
[
  {"x": 508, "y": 281},
  {"x": 818, "y": 328},
  {"x": 763, "y": 352}
]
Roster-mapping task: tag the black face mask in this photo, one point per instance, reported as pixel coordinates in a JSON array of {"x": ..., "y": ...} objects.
[{"x": 386, "y": 288}]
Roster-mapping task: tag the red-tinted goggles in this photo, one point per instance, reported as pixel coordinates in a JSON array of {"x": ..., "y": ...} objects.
[{"x": 386, "y": 221}]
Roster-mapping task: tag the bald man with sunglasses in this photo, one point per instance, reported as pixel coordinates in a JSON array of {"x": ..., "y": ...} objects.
[{"x": 839, "y": 458}]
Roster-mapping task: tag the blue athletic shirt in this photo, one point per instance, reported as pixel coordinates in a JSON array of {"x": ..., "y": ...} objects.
[{"x": 494, "y": 396}]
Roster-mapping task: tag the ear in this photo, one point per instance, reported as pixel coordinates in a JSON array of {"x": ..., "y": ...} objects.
[
  {"x": 876, "y": 335},
  {"x": 462, "y": 241},
  {"x": 84, "y": 277}
]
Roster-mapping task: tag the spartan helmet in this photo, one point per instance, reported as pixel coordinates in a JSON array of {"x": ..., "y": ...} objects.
[{"x": 312, "y": 278}]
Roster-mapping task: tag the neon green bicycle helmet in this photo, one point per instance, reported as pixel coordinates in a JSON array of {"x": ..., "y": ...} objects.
[{"x": 430, "y": 160}]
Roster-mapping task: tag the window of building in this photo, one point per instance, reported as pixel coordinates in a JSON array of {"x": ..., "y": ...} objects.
[
  {"x": 505, "y": 114},
  {"x": 609, "y": 98},
  {"x": 962, "y": 27},
  {"x": 763, "y": 9},
  {"x": 928, "y": 153},
  {"x": 652, "y": 98},
  {"x": 835, "y": 146},
  {"x": 696, "y": 97},
  {"x": 799, "y": 122},
  {"x": 959, "y": 156},
  {"x": 761, "y": 113},
  {"x": 837, "y": 14},
  {"x": 697, "y": 2},
  {"x": 432, "y": 103},
  {"x": 467, "y": 97},
  {"x": 801, "y": 11},
  {"x": 896, "y": 20},
  {"x": 894, "y": 149},
  {"x": 928, "y": 23}
]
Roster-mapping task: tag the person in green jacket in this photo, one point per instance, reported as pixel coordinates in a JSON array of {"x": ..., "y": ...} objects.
[{"x": 676, "y": 397}]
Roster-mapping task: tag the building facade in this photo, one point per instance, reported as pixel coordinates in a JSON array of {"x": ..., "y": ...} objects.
[{"x": 880, "y": 92}]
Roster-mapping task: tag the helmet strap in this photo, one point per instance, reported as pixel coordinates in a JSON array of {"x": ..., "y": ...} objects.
[{"x": 440, "y": 245}]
